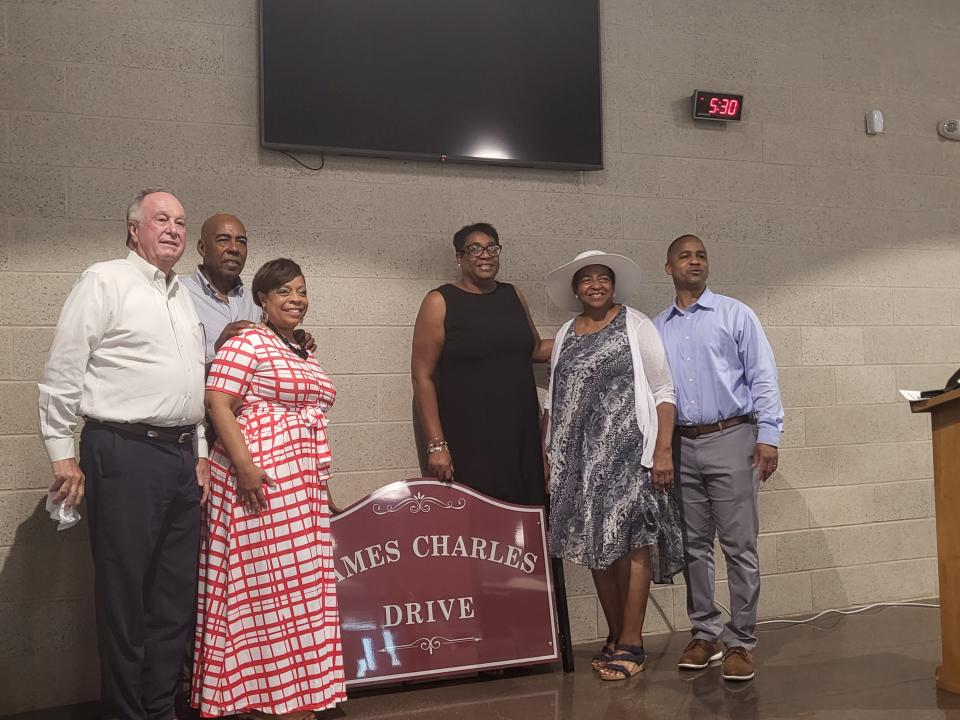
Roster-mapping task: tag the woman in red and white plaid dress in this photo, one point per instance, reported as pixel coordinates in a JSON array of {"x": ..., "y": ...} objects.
[{"x": 268, "y": 633}]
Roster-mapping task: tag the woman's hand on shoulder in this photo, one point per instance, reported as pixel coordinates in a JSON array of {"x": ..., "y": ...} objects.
[
  {"x": 232, "y": 330},
  {"x": 306, "y": 340}
]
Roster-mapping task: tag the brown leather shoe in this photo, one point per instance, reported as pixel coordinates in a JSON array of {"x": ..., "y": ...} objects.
[
  {"x": 698, "y": 655},
  {"x": 738, "y": 664}
]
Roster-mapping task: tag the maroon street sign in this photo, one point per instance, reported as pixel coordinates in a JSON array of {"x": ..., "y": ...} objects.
[{"x": 437, "y": 579}]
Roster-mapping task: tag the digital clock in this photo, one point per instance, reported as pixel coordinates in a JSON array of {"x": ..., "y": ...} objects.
[{"x": 709, "y": 105}]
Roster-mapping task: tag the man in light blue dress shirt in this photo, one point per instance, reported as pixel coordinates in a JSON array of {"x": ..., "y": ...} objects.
[
  {"x": 729, "y": 420},
  {"x": 223, "y": 303}
]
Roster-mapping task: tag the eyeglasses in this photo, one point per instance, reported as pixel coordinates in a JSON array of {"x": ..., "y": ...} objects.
[{"x": 476, "y": 250}]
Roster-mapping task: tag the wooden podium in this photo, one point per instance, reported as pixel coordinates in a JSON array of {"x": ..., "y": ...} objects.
[{"x": 945, "y": 414}]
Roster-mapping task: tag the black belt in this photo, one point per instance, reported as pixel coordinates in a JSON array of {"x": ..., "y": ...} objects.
[
  {"x": 179, "y": 435},
  {"x": 694, "y": 431}
]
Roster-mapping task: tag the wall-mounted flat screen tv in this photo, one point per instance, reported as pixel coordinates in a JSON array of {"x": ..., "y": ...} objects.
[{"x": 514, "y": 82}]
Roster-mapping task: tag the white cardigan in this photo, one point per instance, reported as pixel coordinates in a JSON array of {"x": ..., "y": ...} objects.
[{"x": 652, "y": 381}]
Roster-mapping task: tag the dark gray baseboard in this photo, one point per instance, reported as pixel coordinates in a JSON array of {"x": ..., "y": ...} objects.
[{"x": 81, "y": 711}]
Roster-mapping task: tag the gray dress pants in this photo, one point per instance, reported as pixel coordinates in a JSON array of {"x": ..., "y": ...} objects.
[{"x": 719, "y": 489}]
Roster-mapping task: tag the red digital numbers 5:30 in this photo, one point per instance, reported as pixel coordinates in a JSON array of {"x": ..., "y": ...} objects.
[
  {"x": 709, "y": 105},
  {"x": 724, "y": 106}
]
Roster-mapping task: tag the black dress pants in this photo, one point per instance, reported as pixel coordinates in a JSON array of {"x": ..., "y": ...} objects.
[{"x": 143, "y": 506}]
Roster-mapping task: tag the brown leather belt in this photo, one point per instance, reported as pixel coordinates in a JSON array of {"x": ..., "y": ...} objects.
[
  {"x": 694, "y": 431},
  {"x": 180, "y": 435}
]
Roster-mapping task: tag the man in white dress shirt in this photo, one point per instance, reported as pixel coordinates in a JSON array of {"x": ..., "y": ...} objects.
[{"x": 128, "y": 357}]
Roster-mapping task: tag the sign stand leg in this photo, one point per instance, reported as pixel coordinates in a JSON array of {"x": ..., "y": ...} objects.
[{"x": 563, "y": 616}]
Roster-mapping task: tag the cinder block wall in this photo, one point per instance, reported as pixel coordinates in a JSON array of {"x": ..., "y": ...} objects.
[{"x": 846, "y": 246}]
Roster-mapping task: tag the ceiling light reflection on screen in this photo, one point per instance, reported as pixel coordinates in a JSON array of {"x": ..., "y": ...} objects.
[{"x": 491, "y": 150}]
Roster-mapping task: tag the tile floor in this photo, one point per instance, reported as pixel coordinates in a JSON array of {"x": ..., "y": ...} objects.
[
  {"x": 878, "y": 664},
  {"x": 875, "y": 665}
]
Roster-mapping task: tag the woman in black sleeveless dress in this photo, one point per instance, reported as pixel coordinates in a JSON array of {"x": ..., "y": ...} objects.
[{"x": 473, "y": 345}]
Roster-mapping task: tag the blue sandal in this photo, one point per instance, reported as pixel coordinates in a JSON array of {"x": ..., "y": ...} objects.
[
  {"x": 600, "y": 659},
  {"x": 625, "y": 653}
]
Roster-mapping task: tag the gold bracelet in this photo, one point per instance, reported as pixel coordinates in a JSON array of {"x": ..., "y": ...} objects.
[{"x": 436, "y": 447}]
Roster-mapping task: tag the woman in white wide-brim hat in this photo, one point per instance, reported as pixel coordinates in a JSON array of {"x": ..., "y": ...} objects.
[{"x": 608, "y": 434}]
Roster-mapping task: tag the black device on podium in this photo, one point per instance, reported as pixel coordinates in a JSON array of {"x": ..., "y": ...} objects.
[{"x": 952, "y": 384}]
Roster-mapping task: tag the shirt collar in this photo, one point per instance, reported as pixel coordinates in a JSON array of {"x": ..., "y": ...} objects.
[
  {"x": 202, "y": 281},
  {"x": 153, "y": 274},
  {"x": 707, "y": 301}
]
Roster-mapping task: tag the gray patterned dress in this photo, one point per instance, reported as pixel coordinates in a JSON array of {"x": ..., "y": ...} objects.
[{"x": 603, "y": 504}]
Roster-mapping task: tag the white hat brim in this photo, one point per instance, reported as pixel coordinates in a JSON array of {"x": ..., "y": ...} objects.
[{"x": 559, "y": 281}]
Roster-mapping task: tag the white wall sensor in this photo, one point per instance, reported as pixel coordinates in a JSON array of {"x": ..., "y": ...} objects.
[
  {"x": 874, "y": 120},
  {"x": 950, "y": 129}
]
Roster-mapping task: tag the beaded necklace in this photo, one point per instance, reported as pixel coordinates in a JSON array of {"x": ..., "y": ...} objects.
[{"x": 298, "y": 350}]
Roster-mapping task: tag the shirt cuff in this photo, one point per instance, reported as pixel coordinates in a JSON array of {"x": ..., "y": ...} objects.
[
  {"x": 768, "y": 436},
  {"x": 668, "y": 396},
  {"x": 200, "y": 441},
  {"x": 60, "y": 448}
]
